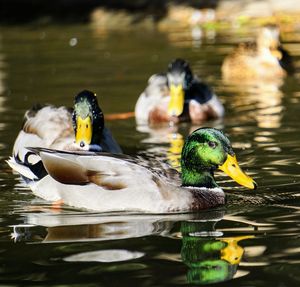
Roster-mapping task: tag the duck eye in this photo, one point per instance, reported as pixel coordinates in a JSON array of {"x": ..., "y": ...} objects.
[{"x": 212, "y": 144}]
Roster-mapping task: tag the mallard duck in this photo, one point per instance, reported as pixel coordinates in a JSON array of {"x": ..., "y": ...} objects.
[
  {"x": 62, "y": 129},
  {"x": 108, "y": 182},
  {"x": 177, "y": 96},
  {"x": 264, "y": 59}
]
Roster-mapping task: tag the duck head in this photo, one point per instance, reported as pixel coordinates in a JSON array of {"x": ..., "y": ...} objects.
[
  {"x": 269, "y": 38},
  {"x": 179, "y": 77},
  {"x": 206, "y": 150},
  {"x": 88, "y": 121}
]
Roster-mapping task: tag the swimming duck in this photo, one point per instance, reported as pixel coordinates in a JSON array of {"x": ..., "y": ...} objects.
[
  {"x": 63, "y": 129},
  {"x": 177, "y": 96},
  {"x": 108, "y": 182},
  {"x": 264, "y": 59}
]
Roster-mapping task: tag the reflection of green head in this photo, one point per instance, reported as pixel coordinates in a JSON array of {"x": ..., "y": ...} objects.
[
  {"x": 203, "y": 254},
  {"x": 211, "y": 271}
]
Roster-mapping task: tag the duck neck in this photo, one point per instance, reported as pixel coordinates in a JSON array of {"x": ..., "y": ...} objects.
[
  {"x": 196, "y": 178},
  {"x": 95, "y": 144},
  {"x": 96, "y": 135}
]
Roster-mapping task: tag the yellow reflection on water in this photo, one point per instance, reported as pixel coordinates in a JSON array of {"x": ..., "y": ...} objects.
[
  {"x": 210, "y": 259},
  {"x": 174, "y": 151},
  {"x": 262, "y": 102},
  {"x": 233, "y": 253}
]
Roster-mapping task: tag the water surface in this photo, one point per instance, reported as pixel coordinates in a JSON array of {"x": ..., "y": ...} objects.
[{"x": 252, "y": 241}]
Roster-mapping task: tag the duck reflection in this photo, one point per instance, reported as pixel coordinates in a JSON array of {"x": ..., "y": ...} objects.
[
  {"x": 79, "y": 226},
  {"x": 163, "y": 143},
  {"x": 259, "y": 101},
  {"x": 209, "y": 257},
  {"x": 166, "y": 142},
  {"x": 270, "y": 108},
  {"x": 174, "y": 150},
  {"x": 89, "y": 227}
]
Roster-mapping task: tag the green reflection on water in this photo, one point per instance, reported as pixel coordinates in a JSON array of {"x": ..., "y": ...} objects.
[{"x": 210, "y": 259}]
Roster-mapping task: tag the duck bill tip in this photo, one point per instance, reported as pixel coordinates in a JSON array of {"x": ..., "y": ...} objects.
[{"x": 232, "y": 169}]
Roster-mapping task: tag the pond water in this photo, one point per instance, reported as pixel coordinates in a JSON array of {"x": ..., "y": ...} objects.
[{"x": 252, "y": 241}]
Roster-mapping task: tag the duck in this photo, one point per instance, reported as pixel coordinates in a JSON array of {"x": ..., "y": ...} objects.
[
  {"x": 177, "y": 96},
  {"x": 265, "y": 59},
  {"x": 62, "y": 128},
  {"x": 106, "y": 182}
]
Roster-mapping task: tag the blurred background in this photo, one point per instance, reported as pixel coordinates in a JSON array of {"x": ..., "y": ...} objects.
[{"x": 80, "y": 10}]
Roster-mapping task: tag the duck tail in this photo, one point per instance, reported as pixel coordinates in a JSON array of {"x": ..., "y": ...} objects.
[{"x": 29, "y": 171}]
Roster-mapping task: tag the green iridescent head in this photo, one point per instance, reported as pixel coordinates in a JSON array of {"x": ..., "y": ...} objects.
[{"x": 206, "y": 150}]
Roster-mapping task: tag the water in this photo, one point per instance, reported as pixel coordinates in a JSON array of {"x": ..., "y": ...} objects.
[{"x": 252, "y": 241}]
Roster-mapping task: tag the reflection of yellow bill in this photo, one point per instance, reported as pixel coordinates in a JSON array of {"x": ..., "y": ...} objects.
[
  {"x": 233, "y": 253},
  {"x": 176, "y": 103},
  {"x": 84, "y": 130},
  {"x": 174, "y": 152},
  {"x": 176, "y": 143},
  {"x": 232, "y": 169}
]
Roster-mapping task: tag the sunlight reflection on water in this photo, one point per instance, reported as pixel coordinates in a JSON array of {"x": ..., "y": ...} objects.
[{"x": 50, "y": 65}]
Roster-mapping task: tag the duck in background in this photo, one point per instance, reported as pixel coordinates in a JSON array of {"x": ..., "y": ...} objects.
[
  {"x": 107, "y": 182},
  {"x": 264, "y": 59},
  {"x": 65, "y": 129},
  {"x": 177, "y": 96}
]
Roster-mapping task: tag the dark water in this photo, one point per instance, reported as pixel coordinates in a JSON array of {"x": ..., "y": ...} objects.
[{"x": 253, "y": 241}]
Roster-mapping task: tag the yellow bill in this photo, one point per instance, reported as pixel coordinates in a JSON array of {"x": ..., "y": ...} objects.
[
  {"x": 176, "y": 103},
  {"x": 232, "y": 169},
  {"x": 277, "y": 54},
  {"x": 84, "y": 130}
]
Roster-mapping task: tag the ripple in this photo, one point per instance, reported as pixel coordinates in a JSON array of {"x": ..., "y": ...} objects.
[{"x": 105, "y": 256}]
